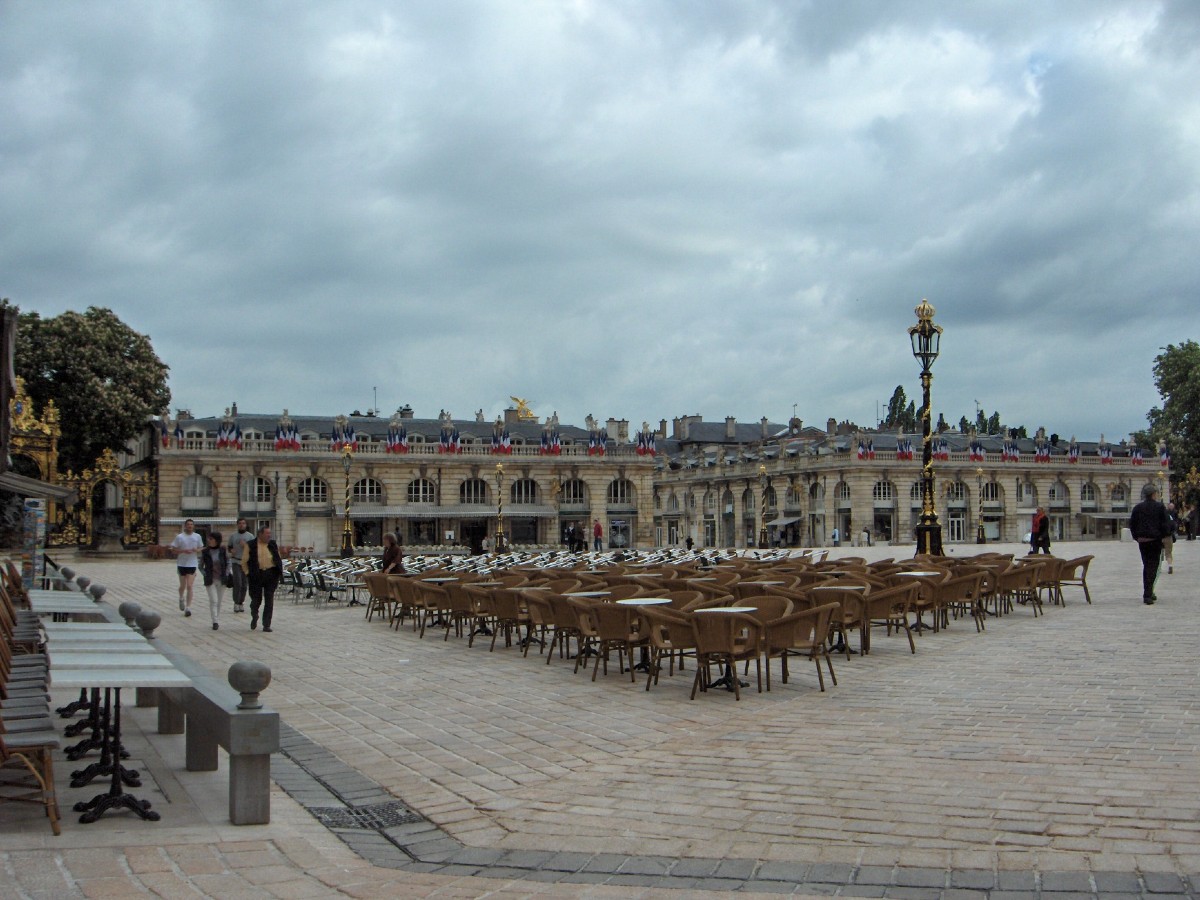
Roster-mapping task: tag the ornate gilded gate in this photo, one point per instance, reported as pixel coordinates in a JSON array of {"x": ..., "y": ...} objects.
[{"x": 77, "y": 526}]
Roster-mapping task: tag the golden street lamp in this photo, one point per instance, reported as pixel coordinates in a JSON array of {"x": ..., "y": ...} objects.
[
  {"x": 926, "y": 339},
  {"x": 347, "y": 532},
  {"x": 499, "y": 508},
  {"x": 762, "y": 529},
  {"x": 980, "y": 537}
]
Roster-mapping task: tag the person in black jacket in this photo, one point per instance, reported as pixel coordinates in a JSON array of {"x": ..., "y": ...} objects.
[
  {"x": 215, "y": 569},
  {"x": 1149, "y": 524},
  {"x": 263, "y": 568}
]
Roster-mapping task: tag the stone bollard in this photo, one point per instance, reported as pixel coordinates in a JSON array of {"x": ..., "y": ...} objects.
[
  {"x": 97, "y": 591},
  {"x": 147, "y": 620},
  {"x": 250, "y": 748},
  {"x": 83, "y": 581},
  {"x": 129, "y": 612},
  {"x": 67, "y": 572},
  {"x": 249, "y": 678}
]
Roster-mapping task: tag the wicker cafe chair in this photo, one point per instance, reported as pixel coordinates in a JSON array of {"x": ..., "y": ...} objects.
[
  {"x": 805, "y": 634},
  {"x": 404, "y": 592},
  {"x": 1019, "y": 584},
  {"x": 27, "y": 771},
  {"x": 889, "y": 607},
  {"x": 669, "y": 632},
  {"x": 379, "y": 596},
  {"x": 766, "y": 607},
  {"x": 1074, "y": 573},
  {"x": 615, "y": 626},
  {"x": 725, "y": 639}
]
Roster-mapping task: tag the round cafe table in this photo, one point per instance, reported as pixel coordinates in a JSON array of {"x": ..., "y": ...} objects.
[
  {"x": 644, "y": 664},
  {"x": 919, "y": 625}
]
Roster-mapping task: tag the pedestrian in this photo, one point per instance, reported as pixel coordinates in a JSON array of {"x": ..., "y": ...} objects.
[
  {"x": 837, "y": 537},
  {"x": 569, "y": 537},
  {"x": 263, "y": 568},
  {"x": 597, "y": 536},
  {"x": 1169, "y": 540},
  {"x": 1041, "y": 531},
  {"x": 393, "y": 555},
  {"x": 1149, "y": 524},
  {"x": 217, "y": 570},
  {"x": 689, "y": 543},
  {"x": 237, "y": 552},
  {"x": 187, "y": 545}
]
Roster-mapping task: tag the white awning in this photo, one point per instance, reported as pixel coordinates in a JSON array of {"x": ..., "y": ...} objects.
[
  {"x": 780, "y": 522},
  {"x": 33, "y": 487}
]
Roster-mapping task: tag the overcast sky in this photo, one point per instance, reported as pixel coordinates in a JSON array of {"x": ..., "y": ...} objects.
[{"x": 633, "y": 209}]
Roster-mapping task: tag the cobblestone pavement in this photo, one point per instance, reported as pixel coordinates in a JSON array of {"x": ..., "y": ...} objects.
[{"x": 1055, "y": 757}]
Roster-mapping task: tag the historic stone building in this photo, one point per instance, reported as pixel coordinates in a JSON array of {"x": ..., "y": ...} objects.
[
  {"x": 728, "y": 484},
  {"x": 434, "y": 481}
]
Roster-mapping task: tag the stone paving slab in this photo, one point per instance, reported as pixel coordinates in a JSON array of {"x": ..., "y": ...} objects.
[{"x": 1047, "y": 758}]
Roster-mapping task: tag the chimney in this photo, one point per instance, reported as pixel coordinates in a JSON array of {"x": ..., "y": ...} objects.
[
  {"x": 764, "y": 423},
  {"x": 675, "y": 428},
  {"x": 831, "y": 426},
  {"x": 511, "y": 417},
  {"x": 405, "y": 411},
  {"x": 233, "y": 409},
  {"x": 685, "y": 428},
  {"x": 662, "y": 428},
  {"x": 623, "y": 430},
  {"x": 730, "y": 427}
]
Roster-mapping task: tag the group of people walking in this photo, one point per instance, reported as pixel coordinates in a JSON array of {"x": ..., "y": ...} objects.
[{"x": 247, "y": 564}]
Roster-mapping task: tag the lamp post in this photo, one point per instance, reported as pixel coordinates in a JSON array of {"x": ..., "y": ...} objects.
[
  {"x": 499, "y": 508},
  {"x": 762, "y": 529},
  {"x": 347, "y": 532},
  {"x": 980, "y": 537},
  {"x": 926, "y": 339}
]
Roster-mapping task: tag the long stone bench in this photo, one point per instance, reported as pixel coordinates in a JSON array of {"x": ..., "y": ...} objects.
[{"x": 209, "y": 716}]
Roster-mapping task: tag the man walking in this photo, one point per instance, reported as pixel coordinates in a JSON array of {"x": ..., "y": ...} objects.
[
  {"x": 1149, "y": 524},
  {"x": 187, "y": 546},
  {"x": 237, "y": 552},
  {"x": 597, "y": 536},
  {"x": 263, "y": 568}
]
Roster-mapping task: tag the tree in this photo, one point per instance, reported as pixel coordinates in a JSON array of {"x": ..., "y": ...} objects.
[
  {"x": 103, "y": 376},
  {"x": 895, "y": 409},
  {"x": 942, "y": 425},
  {"x": 963, "y": 425},
  {"x": 1177, "y": 421}
]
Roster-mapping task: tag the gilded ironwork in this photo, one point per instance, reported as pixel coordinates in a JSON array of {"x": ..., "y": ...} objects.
[
  {"x": 35, "y": 438},
  {"x": 76, "y": 526}
]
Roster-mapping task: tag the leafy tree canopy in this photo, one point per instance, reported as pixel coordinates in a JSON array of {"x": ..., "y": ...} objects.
[
  {"x": 1177, "y": 421},
  {"x": 102, "y": 375}
]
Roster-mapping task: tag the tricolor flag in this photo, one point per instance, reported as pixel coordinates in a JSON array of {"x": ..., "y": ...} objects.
[
  {"x": 1073, "y": 453},
  {"x": 1164, "y": 455},
  {"x": 281, "y": 441},
  {"x": 178, "y": 435},
  {"x": 596, "y": 442},
  {"x": 223, "y": 436},
  {"x": 862, "y": 449},
  {"x": 977, "y": 452},
  {"x": 235, "y": 440},
  {"x": 943, "y": 450},
  {"x": 1105, "y": 453},
  {"x": 1136, "y": 458},
  {"x": 164, "y": 432},
  {"x": 870, "y": 448},
  {"x": 402, "y": 440}
]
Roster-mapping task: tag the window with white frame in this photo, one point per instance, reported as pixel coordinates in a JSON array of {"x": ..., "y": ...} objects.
[
  {"x": 524, "y": 492},
  {"x": 991, "y": 492},
  {"x": 197, "y": 493},
  {"x": 256, "y": 490},
  {"x": 421, "y": 490},
  {"x": 620, "y": 492},
  {"x": 883, "y": 490},
  {"x": 312, "y": 490},
  {"x": 842, "y": 491},
  {"x": 366, "y": 490},
  {"x": 473, "y": 490},
  {"x": 574, "y": 492}
]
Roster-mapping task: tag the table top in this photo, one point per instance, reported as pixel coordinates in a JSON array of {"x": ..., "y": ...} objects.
[
  {"x": 441, "y": 579},
  {"x": 839, "y": 587},
  {"x": 727, "y": 609},
  {"x": 643, "y": 601},
  {"x": 112, "y": 658},
  {"x": 587, "y": 593},
  {"x": 916, "y": 574},
  {"x": 81, "y": 627},
  {"x": 83, "y": 676}
]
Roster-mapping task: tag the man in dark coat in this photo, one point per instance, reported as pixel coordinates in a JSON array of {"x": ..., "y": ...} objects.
[
  {"x": 1149, "y": 524},
  {"x": 263, "y": 568}
]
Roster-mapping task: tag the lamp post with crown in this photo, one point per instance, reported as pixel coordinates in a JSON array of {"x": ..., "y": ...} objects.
[{"x": 926, "y": 339}]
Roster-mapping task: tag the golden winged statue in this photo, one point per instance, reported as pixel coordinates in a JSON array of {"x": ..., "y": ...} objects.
[{"x": 523, "y": 410}]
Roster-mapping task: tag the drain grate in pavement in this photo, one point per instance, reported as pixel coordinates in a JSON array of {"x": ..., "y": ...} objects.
[{"x": 379, "y": 816}]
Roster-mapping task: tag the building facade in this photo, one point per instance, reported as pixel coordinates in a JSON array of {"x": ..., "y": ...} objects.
[
  {"x": 735, "y": 485},
  {"x": 435, "y": 482}
]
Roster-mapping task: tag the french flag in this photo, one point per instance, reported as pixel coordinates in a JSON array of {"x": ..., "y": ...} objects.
[
  {"x": 1164, "y": 456},
  {"x": 1073, "y": 453},
  {"x": 164, "y": 433},
  {"x": 862, "y": 450},
  {"x": 1136, "y": 456}
]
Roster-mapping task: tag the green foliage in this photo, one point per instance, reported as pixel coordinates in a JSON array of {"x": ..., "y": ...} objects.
[
  {"x": 1177, "y": 421},
  {"x": 942, "y": 425},
  {"x": 964, "y": 425},
  {"x": 104, "y": 377}
]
